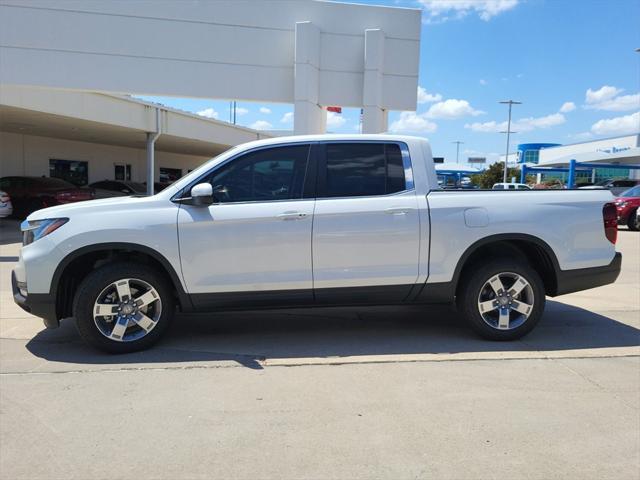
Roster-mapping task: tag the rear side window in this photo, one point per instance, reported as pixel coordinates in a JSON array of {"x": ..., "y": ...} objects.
[
  {"x": 363, "y": 169},
  {"x": 265, "y": 175}
]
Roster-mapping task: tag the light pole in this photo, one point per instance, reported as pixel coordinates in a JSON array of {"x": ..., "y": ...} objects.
[
  {"x": 508, "y": 132},
  {"x": 457, "y": 142}
]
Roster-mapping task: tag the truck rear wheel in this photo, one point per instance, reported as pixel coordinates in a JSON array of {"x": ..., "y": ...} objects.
[
  {"x": 502, "y": 300},
  {"x": 122, "y": 308}
]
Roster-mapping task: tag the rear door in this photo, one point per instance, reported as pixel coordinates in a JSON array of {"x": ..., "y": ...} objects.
[{"x": 366, "y": 228}]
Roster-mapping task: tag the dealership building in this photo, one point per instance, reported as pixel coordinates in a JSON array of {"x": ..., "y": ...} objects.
[
  {"x": 68, "y": 71},
  {"x": 610, "y": 154},
  {"x": 85, "y": 137}
]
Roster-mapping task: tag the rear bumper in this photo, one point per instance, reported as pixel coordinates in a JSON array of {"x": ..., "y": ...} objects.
[
  {"x": 41, "y": 305},
  {"x": 584, "y": 278}
]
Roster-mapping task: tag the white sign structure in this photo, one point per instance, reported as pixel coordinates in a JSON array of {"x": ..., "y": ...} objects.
[{"x": 309, "y": 53}]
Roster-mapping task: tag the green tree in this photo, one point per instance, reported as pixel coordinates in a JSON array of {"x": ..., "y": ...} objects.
[{"x": 493, "y": 175}]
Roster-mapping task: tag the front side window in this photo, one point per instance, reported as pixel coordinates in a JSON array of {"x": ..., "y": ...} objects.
[
  {"x": 261, "y": 176},
  {"x": 363, "y": 169}
]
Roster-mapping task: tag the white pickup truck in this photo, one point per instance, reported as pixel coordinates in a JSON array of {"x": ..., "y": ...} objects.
[{"x": 312, "y": 221}]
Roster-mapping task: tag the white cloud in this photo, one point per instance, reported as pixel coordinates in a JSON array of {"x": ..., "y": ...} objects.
[
  {"x": 335, "y": 120},
  {"x": 261, "y": 125},
  {"x": 241, "y": 111},
  {"x": 287, "y": 117},
  {"x": 521, "y": 125},
  {"x": 411, "y": 122},
  {"x": 265, "y": 110},
  {"x": 608, "y": 98},
  {"x": 567, "y": 107},
  {"x": 483, "y": 82},
  {"x": 208, "y": 112},
  {"x": 452, "y": 108},
  {"x": 426, "y": 97},
  {"x": 443, "y": 10},
  {"x": 601, "y": 95},
  {"x": 617, "y": 125}
]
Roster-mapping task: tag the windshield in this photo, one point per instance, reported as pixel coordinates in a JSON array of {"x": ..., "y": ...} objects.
[{"x": 632, "y": 192}]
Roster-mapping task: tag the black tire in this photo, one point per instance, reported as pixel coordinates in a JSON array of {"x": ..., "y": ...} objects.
[
  {"x": 474, "y": 283},
  {"x": 97, "y": 281},
  {"x": 632, "y": 222}
]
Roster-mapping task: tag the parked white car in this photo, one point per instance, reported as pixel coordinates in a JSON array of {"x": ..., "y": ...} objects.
[
  {"x": 6, "y": 208},
  {"x": 511, "y": 186},
  {"x": 312, "y": 221}
]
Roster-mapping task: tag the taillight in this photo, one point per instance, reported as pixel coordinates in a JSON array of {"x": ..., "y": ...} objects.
[{"x": 610, "y": 219}]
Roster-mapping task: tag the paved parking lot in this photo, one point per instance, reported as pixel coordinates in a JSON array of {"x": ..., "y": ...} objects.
[{"x": 336, "y": 393}]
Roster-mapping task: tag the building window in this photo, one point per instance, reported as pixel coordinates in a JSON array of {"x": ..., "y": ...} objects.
[
  {"x": 122, "y": 171},
  {"x": 72, "y": 171},
  {"x": 531, "y": 156},
  {"x": 169, "y": 175}
]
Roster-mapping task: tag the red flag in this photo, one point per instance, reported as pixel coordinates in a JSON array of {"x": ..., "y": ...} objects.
[{"x": 334, "y": 109}]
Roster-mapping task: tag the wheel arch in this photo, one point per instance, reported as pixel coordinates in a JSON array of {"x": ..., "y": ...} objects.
[
  {"x": 537, "y": 252},
  {"x": 76, "y": 265}
]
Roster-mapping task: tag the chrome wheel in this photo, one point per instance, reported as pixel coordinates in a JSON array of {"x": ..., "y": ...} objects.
[
  {"x": 127, "y": 310},
  {"x": 505, "y": 301}
]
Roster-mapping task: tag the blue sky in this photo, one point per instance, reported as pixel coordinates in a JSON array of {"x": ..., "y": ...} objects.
[{"x": 571, "y": 62}]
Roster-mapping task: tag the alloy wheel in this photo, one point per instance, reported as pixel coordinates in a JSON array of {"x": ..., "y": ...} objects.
[
  {"x": 127, "y": 310},
  {"x": 505, "y": 301}
]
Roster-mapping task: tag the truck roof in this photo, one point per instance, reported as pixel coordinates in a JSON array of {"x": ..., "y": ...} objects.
[{"x": 355, "y": 137}]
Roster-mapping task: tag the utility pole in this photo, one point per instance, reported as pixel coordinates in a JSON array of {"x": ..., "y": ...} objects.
[
  {"x": 508, "y": 132},
  {"x": 457, "y": 142}
]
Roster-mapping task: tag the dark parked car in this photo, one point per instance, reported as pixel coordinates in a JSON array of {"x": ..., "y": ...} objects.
[
  {"x": 29, "y": 194},
  {"x": 157, "y": 186},
  {"x": 117, "y": 188},
  {"x": 616, "y": 186}
]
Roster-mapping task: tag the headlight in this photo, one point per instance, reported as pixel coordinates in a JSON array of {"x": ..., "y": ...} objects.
[
  {"x": 621, "y": 204},
  {"x": 36, "y": 229}
]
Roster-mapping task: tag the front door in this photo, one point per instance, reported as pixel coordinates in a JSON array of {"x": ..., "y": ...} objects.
[
  {"x": 253, "y": 245},
  {"x": 366, "y": 227}
]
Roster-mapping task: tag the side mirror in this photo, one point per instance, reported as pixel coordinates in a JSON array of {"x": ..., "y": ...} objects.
[{"x": 202, "y": 194}]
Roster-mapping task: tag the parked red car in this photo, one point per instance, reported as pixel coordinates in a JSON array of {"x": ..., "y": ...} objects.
[
  {"x": 29, "y": 194},
  {"x": 627, "y": 204}
]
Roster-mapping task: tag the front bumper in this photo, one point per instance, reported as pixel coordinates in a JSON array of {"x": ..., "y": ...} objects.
[
  {"x": 584, "y": 278},
  {"x": 41, "y": 305}
]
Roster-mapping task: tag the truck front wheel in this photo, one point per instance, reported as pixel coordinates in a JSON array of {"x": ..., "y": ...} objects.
[
  {"x": 502, "y": 300},
  {"x": 122, "y": 307}
]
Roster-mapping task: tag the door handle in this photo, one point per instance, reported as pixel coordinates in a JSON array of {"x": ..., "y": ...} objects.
[
  {"x": 398, "y": 210},
  {"x": 292, "y": 216}
]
